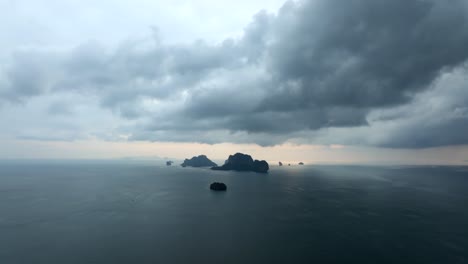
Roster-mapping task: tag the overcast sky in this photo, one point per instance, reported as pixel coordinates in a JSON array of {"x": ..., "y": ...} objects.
[{"x": 320, "y": 81}]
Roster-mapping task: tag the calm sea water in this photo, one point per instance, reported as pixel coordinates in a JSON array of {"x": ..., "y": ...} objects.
[{"x": 145, "y": 213}]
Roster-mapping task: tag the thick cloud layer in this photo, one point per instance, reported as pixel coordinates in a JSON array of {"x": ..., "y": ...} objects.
[{"x": 325, "y": 71}]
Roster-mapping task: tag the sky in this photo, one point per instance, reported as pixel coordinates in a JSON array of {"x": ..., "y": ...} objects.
[{"x": 320, "y": 81}]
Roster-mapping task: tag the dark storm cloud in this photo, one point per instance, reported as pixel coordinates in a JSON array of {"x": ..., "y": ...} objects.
[
  {"x": 315, "y": 65},
  {"x": 362, "y": 54},
  {"x": 445, "y": 133},
  {"x": 134, "y": 70},
  {"x": 438, "y": 117},
  {"x": 332, "y": 62}
]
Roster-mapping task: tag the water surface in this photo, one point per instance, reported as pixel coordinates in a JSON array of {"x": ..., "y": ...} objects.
[{"x": 146, "y": 213}]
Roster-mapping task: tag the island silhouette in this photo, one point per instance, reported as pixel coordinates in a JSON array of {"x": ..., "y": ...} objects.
[
  {"x": 200, "y": 161},
  {"x": 243, "y": 162}
]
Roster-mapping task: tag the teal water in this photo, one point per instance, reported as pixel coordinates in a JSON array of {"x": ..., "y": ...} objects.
[{"x": 145, "y": 213}]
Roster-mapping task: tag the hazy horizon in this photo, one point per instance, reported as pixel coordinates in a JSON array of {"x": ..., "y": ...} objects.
[{"x": 311, "y": 155}]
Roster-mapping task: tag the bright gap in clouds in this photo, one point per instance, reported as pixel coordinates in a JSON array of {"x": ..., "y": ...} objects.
[{"x": 70, "y": 22}]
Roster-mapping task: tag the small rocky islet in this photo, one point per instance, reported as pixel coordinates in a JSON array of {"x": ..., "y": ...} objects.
[{"x": 218, "y": 186}]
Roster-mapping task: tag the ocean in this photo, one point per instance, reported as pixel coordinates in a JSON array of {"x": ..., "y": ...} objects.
[{"x": 130, "y": 212}]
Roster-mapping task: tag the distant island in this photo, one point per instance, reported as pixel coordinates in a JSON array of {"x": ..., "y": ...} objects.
[
  {"x": 280, "y": 163},
  {"x": 169, "y": 163},
  {"x": 243, "y": 162},
  {"x": 200, "y": 161},
  {"x": 301, "y": 163},
  {"x": 218, "y": 186}
]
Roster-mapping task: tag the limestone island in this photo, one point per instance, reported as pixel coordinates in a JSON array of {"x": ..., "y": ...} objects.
[
  {"x": 169, "y": 163},
  {"x": 200, "y": 161},
  {"x": 218, "y": 186},
  {"x": 243, "y": 162},
  {"x": 301, "y": 163}
]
